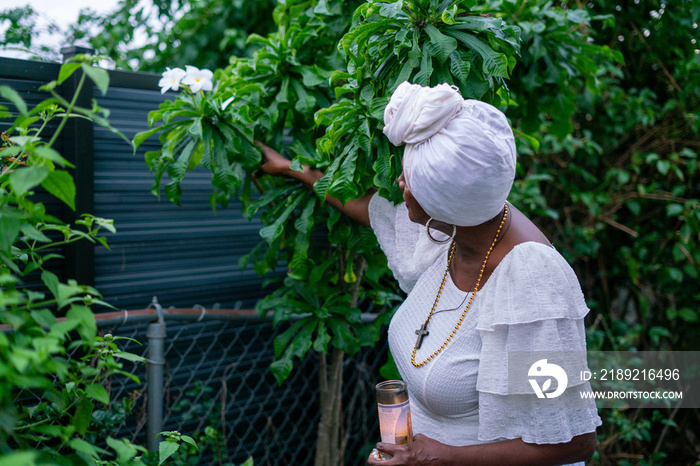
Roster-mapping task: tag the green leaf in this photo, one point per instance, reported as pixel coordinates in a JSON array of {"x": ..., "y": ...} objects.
[
  {"x": 361, "y": 33},
  {"x": 67, "y": 69},
  {"x": 173, "y": 191},
  {"x": 688, "y": 314},
  {"x": 282, "y": 95},
  {"x": 87, "y": 328},
  {"x": 11, "y": 95},
  {"x": 322, "y": 8},
  {"x": 25, "y": 178},
  {"x": 99, "y": 76},
  {"x": 189, "y": 440},
  {"x": 82, "y": 446},
  {"x": 530, "y": 139},
  {"x": 344, "y": 187},
  {"x": 426, "y": 68},
  {"x": 97, "y": 392},
  {"x": 391, "y": 10},
  {"x": 51, "y": 282},
  {"x": 32, "y": 233},
  {"x": 495, "y": 64},
  {"x": 128, "y": 375},
  {"x": 305, "y": 102},
  {"x": 282, "y": 368},
  {"x": 83, "y": 416},
  {"x": 389, "y": 370},
  {"x": 271, "y": 232},
  {"x": 166, "y": 450},
  {"x": 321, "y": 185},
  {"x": 663, "y": 166},
  {"x": 322, "y": 338},
  {"x": 403, "y": 75},
  {"x": 674, "y": 210},
  {"x": 459, "y": 67},
  {"x": 48, "y": 153},
  {"x": 126, "y": 451},
  {"x": 61, "y": 185},
  {"x": 342, "y": 336},
  {"x": 311, "y": 76},
  {"x": 44, "y": 317},
  {"x": 53, "y": 431},
  {"x": 441, "y": 45},
  {"x": 129, "y": 356},
  {"x": 139, "y": 138},
  {"x": 282, "y": 340},
  {"x": 23, "y": 458}
]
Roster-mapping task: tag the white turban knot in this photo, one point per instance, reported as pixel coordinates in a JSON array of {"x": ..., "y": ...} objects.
[{"x": 459, "y": 160}]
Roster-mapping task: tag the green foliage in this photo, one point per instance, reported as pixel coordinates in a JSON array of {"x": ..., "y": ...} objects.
[
  {"x": 53, "y": 396},
  {"x": 204, "y": 34},
  {"x": 614, "y": 182},
  {"x": 147, "y": 36},
  {"x": 171, "y": 444},
  {"x": 197, "y": 404}
]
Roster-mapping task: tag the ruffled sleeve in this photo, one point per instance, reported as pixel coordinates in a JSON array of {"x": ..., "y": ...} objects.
[
  {"x": 531, "y": 310},
  {"x": 408, "y": 250}
]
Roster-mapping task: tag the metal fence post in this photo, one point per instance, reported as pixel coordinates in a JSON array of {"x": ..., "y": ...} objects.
[
  {"x": 156, "y": 362},
  {"x": 78, "y": 147}
]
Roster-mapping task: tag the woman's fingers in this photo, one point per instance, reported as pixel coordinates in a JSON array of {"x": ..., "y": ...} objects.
[
  {"x": 273, "y": 162},
  {"x": 392, "y": 454}
]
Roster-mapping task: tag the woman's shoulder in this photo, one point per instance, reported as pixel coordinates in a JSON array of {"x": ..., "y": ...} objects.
[{"x": 533, "y": 282}]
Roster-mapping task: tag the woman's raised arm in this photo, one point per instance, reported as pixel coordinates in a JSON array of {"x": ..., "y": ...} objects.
[{"x": 277, "y": 165}]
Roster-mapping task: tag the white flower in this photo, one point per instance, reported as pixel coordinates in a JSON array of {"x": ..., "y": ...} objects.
[
  {"x": 171, "y": 79},
  {"x": 198, "y": 79},
  {"x": 226, "y": 103}
]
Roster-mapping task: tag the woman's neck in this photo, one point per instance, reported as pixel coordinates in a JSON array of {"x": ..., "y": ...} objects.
[
  {"x": 471, "y": 246},
  {"x": 472, "y": 243}
]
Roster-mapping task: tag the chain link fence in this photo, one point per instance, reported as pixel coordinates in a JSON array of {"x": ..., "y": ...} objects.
[{"x": 217, "y": 387}]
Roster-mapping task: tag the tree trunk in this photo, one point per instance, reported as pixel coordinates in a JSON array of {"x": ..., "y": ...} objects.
[
  {"x": 329, "y": 427},
  {"x": 330, "y": 449}
]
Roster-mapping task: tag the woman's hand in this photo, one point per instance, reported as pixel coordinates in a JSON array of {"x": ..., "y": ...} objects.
[
  {"x": 426, "y": 451},
  {"x": 273, "y": 162},
  {"x": 277, "y": 165},
  {"x": 422, "y": 451}
]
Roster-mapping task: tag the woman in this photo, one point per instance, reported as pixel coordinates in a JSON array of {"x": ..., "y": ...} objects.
[{"x": 489, "y": 285}]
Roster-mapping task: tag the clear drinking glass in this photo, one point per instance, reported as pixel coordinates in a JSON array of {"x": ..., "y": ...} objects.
[{"x": 394, "y": 413}]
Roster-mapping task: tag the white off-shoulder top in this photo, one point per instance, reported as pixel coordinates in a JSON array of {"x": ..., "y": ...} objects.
[{"x": 531, "y": 302}]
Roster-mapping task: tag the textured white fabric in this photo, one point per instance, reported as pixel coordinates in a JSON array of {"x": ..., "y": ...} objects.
[
  {"x": 460, "y": 157},
  {"x": 531, "y": 302},
  {"x": 415, "y": 113}
]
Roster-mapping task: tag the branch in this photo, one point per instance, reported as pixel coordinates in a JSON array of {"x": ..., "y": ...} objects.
[
  {"x": 619, "y": 226},
  {"x": 660, "y": 63}
]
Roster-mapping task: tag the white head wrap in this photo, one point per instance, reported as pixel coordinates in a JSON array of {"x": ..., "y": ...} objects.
[{"x": 459, "y": 160}]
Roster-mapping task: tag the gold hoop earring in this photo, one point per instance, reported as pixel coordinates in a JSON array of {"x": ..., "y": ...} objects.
[{"x": 450, "y": 238}]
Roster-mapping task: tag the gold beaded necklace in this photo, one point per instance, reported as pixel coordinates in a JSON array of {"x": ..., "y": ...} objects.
[{"x": 423, "y": 330}]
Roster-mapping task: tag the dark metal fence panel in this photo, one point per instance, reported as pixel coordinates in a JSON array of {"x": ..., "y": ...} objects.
[{"x": 26, "y": 77}]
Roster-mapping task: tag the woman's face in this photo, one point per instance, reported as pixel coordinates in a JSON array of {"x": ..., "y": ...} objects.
[{"x": 415, "y": 211}]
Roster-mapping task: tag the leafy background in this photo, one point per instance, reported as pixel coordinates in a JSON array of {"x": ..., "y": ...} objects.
[{"x": 604, "y": 99}]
